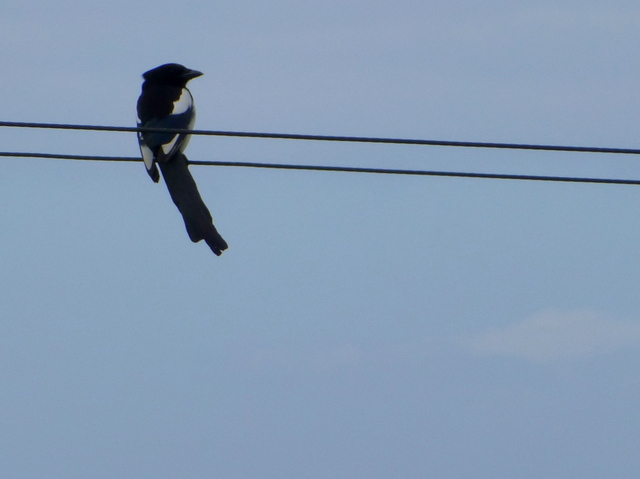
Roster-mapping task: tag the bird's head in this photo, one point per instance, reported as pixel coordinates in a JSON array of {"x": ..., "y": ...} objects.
[{"x": 171, "y": 74}]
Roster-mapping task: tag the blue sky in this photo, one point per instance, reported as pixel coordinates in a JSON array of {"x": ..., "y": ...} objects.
[{"x": 359, "y": 325}]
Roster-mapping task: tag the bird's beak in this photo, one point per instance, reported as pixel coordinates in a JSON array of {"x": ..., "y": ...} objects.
[{"x": 191, "y": 74}]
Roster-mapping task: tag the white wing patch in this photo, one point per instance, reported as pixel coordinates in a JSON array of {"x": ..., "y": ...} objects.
[
  {"x": 180, "y": 106},
  {"x": 167, "y": 147},
  {"x": 183, "y": 103},
  {"x": 147, "y": 156}
]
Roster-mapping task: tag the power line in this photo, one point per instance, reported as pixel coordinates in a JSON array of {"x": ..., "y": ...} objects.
[
  {"x": 352, "y": 139},
  {"x": 343, "y": 169},
  {"x": 56, "y": 156}
]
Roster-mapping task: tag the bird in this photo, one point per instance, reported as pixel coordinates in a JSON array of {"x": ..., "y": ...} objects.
[{"x": 166, "y": 102}]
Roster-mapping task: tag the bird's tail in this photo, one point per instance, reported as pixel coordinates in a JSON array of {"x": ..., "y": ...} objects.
[{"x": 184, "y": 193}]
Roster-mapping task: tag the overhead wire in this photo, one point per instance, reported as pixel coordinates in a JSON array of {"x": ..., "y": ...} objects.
[
  {"x": 347, "y": 169},
  {"x": 343, "y": 169},
  {"x": 333, "y": 138}
]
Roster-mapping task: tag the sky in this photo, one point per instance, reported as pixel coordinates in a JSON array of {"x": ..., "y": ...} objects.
[{"x": 359, "y": 326}]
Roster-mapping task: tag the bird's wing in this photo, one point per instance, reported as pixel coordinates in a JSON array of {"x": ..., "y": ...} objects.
[{"x": 154, "y": 144}]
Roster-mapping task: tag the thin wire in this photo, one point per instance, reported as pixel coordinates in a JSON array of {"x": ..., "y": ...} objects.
[
  {"x": 344, "y": 169},
  {"x": 352, "y": 139},
  {"x": 56, "y": 156}
]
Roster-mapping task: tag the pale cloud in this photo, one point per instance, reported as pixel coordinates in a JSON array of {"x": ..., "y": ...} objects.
[{"x": 557, "y": 335}]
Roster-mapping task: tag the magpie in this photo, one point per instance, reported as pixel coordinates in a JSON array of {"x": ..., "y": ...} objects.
[{"x": 165, "y": 102}]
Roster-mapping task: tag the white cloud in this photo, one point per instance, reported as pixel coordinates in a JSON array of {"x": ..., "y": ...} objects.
[{"x": 557, "y": 335}]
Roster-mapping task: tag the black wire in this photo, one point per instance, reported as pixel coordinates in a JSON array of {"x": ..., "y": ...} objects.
[
  {"x": 356, "y": 139},
  {"x": 344, "y": 169},
  {"x": 56, "y": 156},
  {"x": 388, "y": 171}
]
